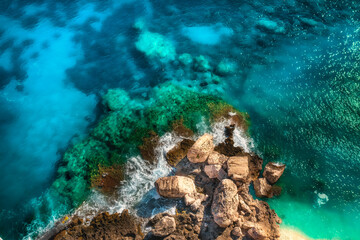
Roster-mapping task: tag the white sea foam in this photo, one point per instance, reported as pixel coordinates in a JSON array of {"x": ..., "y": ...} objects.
[
  {"x": 321, "y": 199},
  {"x": 241, "y": 139},
  {"x": 139, "y": 181}
]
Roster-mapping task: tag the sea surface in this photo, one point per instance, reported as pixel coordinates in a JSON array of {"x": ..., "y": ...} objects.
[{"x": 293, "y": 65}]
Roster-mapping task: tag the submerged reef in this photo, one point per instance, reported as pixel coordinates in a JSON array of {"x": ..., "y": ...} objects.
[{"x": 129, "y": 129}]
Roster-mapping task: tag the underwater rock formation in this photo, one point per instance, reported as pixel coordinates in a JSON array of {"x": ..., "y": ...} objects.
[{"x": 103, "y": 226}]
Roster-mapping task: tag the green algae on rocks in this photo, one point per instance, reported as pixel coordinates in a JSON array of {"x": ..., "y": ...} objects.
[{"x": 128, "y": 126}]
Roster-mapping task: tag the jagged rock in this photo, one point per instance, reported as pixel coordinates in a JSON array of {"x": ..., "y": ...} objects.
[
  {"x": 201, "y": 149},
  {"x": 175, "y": 186},
  {"x": 175, "y": 237},
  {"x": 164, "y": 227},
  {"x": 189, "y": 199},
  {"x": 185, "y": 168},
  {"x": 212, "y": 170},
  {"x": 225, "y": 203},
  {"x": 258, "y": 233},
  {"x": 263, "y": 188},
  {"x": 255, "y": 166},
  {"x": 103, "y": 226},
  {"x": 216, "y": 158},
  {"x": 176, "y": 154},
  {"x": 237, "y": 232},
  {"x": 273, "y": 171},
  {"x": 238, "y": 168},
  {"x": 276, "y": 190}
]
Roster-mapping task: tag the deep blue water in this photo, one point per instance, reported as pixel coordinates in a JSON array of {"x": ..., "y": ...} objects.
[{"x": 294, "y": 68}]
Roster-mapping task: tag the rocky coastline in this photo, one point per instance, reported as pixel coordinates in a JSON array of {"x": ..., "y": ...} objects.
[{"x": 213, "y": 183}]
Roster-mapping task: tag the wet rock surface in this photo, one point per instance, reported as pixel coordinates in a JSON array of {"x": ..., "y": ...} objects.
[
  {"x": 211, "y": 196},
  {"x": 104, "y": 226},
  {"x": 222, "y": 207},
  {"x": 273, "y": 171},
  {"x": 201, "y": 149},
  {"x": 174, "y": 186}
]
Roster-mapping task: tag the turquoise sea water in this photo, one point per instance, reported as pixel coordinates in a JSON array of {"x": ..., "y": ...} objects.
[{"x": 292, "y": 65}]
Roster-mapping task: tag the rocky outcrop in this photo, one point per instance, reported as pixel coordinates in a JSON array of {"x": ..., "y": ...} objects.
[
  {"x": 213, "y": 171},
  {"x": 215, "y": 204},
  {"x": 273, "y": 171},
  {"x": 238, "y": 168},
  {"x": 263, "y": 188},
  {"x": 175, "y": 186},
  {"x": 216, "y": 158},
  {"x": 164, "y": 227},
  {"x": 103, "y": 226},
  {"x": 176, "y": 154},
  {"x": 201, "y": 149},
  {"x": 220, "y": 205},
  {"x": 225, "y": 203}
]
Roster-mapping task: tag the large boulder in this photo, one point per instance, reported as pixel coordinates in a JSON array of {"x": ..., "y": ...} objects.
[
  {"x": 216, "y": 158},
  {"x": 175, "y": 186},
  {"x": 164, "y": 227},
  {"x": 238, "y": 168},
  {"x": 201, "y": 149},
  {"x": 258, "y": 233},
  {"x": 273, "y": 171},
  {"x": 212, "y": 170},
  {"x": 263, "y": 188},
  {"x": 225, "y": 203}
]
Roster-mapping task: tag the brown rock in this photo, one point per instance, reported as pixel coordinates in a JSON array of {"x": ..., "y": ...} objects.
[
  {"x": 179, "y": 128},
  {"x": 238, "y": 168},
  {"x": 212, "y": 170},
  {"x": 201, "y": 149},
  {"x": 276, "y": 190},
  {"x": 104, "y": 226},
  {"x": 175, "y": 186},
  {"x": 108, "y": 178},
  {"x": 258, "y": 233},
  {"x": 164, "y": 227},
  {"x": 237, "y": 232},
  {"x": 216, "y": 158},
  {"x": 225, "y": 203},
  {"x": 255, "y": 166},
  {"x": 192, "y": 197},
  {"x": 273, "y": 171},
  {"x": 176, "y": 154},
  {"x": 147, "y": 149},
  {"x": 263, "y": 188}
]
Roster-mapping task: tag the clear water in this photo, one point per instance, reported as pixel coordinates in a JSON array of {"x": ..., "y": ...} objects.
[{"x": 294, "y": 67}]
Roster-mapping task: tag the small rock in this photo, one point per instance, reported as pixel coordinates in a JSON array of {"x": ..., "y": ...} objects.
[
  {"x": 273, "y": 171},
  {"x": 276, "y": 190},
  {"x": 238, "y": 168},
  {"x": 164, "y": 227},
  {"x": 192, "y": 197},
  {"x": 225, "y": 203},
  {"x": 216, "y": 158},
  {"x": 201, "y": 149},
  {"x": 247, "y": 225},
  {"x": 237, "y": 232},
  {"x": 175, "y": 237},
  {"x": 212, "y": 170},
  {"x": 262, "y": 188},
  {"x": 257, "y": 233},
  {"x": 196, "y": 205},
  {"x": 175, "y": 186},
  {"x": 222, "y": 174}
]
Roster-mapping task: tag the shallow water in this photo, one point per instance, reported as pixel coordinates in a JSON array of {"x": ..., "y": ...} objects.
[{"x": 292, "y": 65}]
